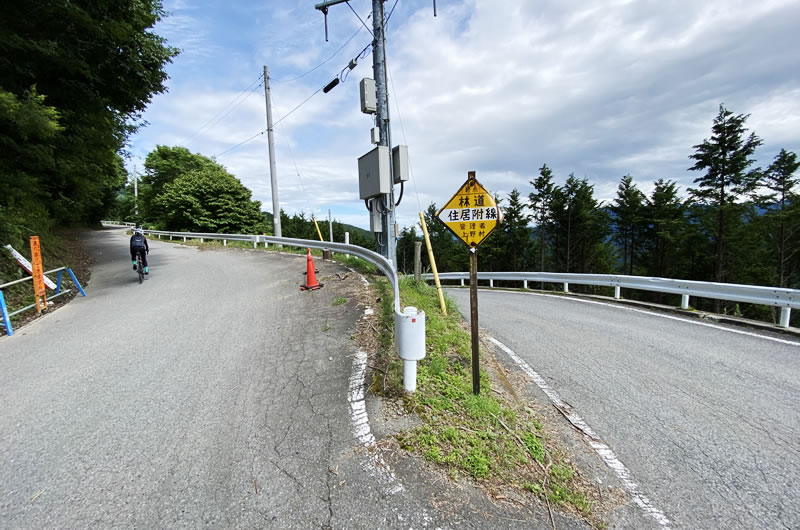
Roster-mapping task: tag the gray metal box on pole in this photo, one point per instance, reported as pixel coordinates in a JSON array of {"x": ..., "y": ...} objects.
[
  {"x": 368, "y": 96},
  {"x": 373, "y": 173},
  {"x": 400, "y": 163}
]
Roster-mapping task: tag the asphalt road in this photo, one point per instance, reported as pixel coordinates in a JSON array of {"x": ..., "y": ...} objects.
[
  {"x": 706, "y": 420},
  {"x": 214, "y": 395}
]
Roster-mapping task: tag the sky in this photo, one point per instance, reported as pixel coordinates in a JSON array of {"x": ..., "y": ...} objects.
[{"x": 598, "y": 88}]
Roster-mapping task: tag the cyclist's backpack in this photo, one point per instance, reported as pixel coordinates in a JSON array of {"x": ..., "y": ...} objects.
[{"x": 137, "y": 241}]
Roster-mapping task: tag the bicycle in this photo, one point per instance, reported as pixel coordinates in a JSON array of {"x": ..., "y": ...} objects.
[{"x": 139, "y": 266}]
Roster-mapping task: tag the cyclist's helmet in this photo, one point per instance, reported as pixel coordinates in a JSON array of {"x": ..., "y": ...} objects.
[{"x": 138, "y": 231}]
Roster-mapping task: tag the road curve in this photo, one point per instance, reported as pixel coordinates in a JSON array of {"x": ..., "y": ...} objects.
[
  {"x": 214, "y": 395},
  {"x": 705, "y": 418}
]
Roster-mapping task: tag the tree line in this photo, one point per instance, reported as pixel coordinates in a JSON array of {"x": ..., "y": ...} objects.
[
  {"x": 737, "y": 224},
  {"x": 181, "y": 191},
  {"x": 75, "y": 78}
]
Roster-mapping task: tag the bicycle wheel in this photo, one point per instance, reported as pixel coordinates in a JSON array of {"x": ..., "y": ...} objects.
[{"x": 139, "y": 268}]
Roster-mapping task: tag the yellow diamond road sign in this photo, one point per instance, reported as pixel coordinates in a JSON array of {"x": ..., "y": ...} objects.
[{"x": 471, "y": 214}]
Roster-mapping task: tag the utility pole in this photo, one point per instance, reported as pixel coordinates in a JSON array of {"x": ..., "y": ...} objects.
[
  {"x": 135, "y": 193},
  {"x": 273, "y": 173},
  {"x": 387, "y": 243},
  {"x": 388, "y": 247}
]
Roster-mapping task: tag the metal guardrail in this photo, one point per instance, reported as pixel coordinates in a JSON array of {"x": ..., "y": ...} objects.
[
  {"x": 409, "y": 322},
  {"x": 367, "y": 255},
  {"x": 786, "y": 299},
  {"x": 5, "y": 316}
]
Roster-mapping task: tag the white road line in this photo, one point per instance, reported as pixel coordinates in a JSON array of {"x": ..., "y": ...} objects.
[
  {"x": 669, "y": 317},
  {"x": 375, "y": 465},
  {"x": 603, "y": 450}
]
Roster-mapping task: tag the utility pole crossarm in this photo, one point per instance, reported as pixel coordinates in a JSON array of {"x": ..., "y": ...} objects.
[{"x": 322, "y": 6}]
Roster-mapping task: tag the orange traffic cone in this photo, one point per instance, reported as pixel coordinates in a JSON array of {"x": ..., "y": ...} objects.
[{"x": 311, "y": 275}]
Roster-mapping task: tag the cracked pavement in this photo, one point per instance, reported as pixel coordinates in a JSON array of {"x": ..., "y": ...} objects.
[{"x": 214, "y": 395}]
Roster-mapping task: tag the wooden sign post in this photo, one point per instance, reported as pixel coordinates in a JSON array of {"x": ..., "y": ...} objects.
[{"x": 472, "y": 214}]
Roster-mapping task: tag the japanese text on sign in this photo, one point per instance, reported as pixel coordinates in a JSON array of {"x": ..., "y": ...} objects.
[{"x": 471, "y": 214}]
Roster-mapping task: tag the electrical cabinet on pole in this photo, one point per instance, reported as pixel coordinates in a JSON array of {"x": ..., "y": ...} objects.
[
  {"x": 383, "y": 167},
  {"x": 273, "y": 172},
  {"x": 387, "y": 244}
]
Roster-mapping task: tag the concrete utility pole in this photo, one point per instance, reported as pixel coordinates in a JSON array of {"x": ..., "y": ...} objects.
[
  {"x": 273, "y": 173},
  {"x": 387, "y": 248},
  {"x": 135, "y": 192},
  {"x": 387, "y": 242}
]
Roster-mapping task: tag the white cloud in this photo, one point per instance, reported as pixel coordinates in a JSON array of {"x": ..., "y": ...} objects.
[{"x": 600, "y": 88}]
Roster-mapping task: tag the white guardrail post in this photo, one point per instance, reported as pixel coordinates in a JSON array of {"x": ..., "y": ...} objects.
[{"x": 409, "y": 323}]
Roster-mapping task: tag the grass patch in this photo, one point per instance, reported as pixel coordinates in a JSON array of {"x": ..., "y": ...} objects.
[
  {"x": 339, "y": 300},
  {"x": 60, "y": 248},
  {"x": 480, "y": 436}
]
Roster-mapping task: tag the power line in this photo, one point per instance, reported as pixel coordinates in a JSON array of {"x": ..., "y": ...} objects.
[
  {"x": 323, "y": 62},
  {"x": 359, "y": 18},
  {"x": 403, "y": 130},
  {"x": 291, "y": 152},
  {"x": 298, "y": 106},
  {"x": 390, "y": 13},
  {"x": 240, "y": 144},
  {"x": 207, "y": 125}
]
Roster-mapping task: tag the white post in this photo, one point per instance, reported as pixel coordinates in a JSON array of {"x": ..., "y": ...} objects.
[
  {"x": 224, "y": 242},
  {"x": 347, "y": 241},
  {"x": 616, "y": 292},
  {"x": 462, "y": 282},
  {"x": 184, "y": 239},
  {"x": 524, "y": 284},
  {"x": 255, "y": 242},
  {"x": 684, "y": 301},
  {"x": 410, "y": 376},
  {"x": 566, "y": 287},
  {"x": 491, "y": 283},
  {"x": 201, "y": 240},
  {"x": 786, "y": 313}
]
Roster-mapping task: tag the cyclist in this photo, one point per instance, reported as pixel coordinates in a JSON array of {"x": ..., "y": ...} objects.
[{"x": 139, "y": 246}]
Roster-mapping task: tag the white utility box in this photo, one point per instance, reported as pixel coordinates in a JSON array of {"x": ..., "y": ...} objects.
[
  {"x": 373, "y": 173},
  {"x": 400, "y": 163},
  {"x": 368, "y": 96},
  {"x": 375, "y": 224}
]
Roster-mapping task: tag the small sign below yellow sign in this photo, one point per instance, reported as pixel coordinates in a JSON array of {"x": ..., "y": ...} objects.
[{"x": 472, "y": 213}]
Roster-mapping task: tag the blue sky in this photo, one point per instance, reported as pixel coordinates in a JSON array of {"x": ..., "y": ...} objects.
[{"x": 598, "y": 88}]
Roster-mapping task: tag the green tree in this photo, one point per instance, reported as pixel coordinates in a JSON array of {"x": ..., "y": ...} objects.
[
  {"x": 664, "y": 232},
  {"x": 210, "y": 200},
  {"x": 405, "y": 249},
  {"x": 163, "y": 166},
  {"x": 99, "y": 64},
  {"x": 513, "y": 236},
  {"x": 539, "y": 202},
  {"x": 450, "y": 255},
  {"x": 628, "y": 210},
  {"x": 28, "y": 128},
  {"x": 580, "y": 228},
  {"x": 726, "y": 159},
  {"x": 783, "y": 213}
]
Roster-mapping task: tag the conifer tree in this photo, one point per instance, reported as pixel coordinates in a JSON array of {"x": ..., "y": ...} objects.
[
  {"x": 539, "y": 202},
  {"x": 726, "y": 159},
  {"x": 628, "y": 210},
  {"x": 783, "y": 211}
]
